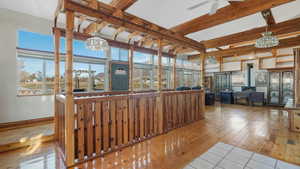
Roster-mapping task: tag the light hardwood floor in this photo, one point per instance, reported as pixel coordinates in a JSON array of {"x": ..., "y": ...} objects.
[{"x": 259, "y": 129}]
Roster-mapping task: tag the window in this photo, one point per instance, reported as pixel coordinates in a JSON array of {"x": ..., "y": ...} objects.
[
  {"x": 179, "y": 78},
  {"x": 119, "y": 54},
  {"x": 49, "y": 76},
  {"x": 81, "y": 75},
  {"x": 36, "y": 41},
  {"x": 98, "y": 76},
  {"x": 142, "y": 79},
  {"x": 188, "y": 78},
  {"x": 31, "y": 76},
  {"x": 143, "y": 58},
  {"x": 36, "y": 65}
]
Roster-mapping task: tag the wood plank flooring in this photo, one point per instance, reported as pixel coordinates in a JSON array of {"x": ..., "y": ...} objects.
[{"x": 259, "y": 129}]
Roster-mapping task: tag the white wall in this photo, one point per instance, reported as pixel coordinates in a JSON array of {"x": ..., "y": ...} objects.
[{"x": 12, "y": 107}]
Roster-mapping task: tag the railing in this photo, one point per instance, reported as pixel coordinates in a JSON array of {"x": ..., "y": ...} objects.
[
  {"x": 182, "y": 107},
  {"x": 105, "y": 122}
]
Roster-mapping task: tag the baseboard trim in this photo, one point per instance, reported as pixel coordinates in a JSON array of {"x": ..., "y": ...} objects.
[{"x": 25, "y": 123}]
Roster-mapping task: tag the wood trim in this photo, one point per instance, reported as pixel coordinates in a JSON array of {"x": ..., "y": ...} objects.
[
  {"x": 283, "y": 28},
  {"x": 131, "y": 66},
  {"x": 280, "y": 69},
  {"x": 106, "y": 14},
  {"x": 25, "y": 123},
  {"x": 56, "y": 78},
  {"x": 69, "y": 104},
  {"x": 284, "y": 43},
  {"x": 174, "y": 82},
  {"x": 297, "y": 76},
  {"x": 114, "y": 43},
  {"x": 227, "y": 14},
  {"x": 159, "y": 75}
]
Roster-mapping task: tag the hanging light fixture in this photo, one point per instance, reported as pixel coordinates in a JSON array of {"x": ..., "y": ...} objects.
[
  {"x": 267, "y": 40},
  {"x": 211, "y": 60},
  {"x": 96, "y": 43}
]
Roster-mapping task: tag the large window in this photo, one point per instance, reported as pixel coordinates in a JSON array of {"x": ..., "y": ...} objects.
[
  {"x": 36, "y": 67},
  {"x": 119, "y": 54},
  {"x": 187, "y": 73},
  {"x": 31, "y": 76},
  {"x": 36, "y": 75}
]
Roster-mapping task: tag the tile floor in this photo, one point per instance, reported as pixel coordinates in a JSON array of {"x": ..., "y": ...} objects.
[{"x": 224, "y": 156}]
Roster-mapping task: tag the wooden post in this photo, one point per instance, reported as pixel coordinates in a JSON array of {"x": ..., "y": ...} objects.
[
  {"x": 159, "y": 72},
  {"x": 130, "y": 63},
  {"x": 202, "y": 63},
  {"x": 221, "y": 64},
  {"x": 159, "y": 100},
  {"x": 297, "y": 75},
  {"x": 56, "y": 77},
  {"x": 174, "y": 73},
  {"x": 69, "y": 106}
]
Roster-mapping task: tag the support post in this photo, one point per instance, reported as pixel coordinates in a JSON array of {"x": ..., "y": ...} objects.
[
  {"x": 130, "y": 65},
  {"x": 174, "y": 73},
  {"x": 159, "y": 100},
  {"x": 159, "y": 75},
  {"x": 297, "y": 75},
  {"x": 107, "y": 71},
  {"x": 202, "y": 63},
  {"x": 56, "y": 78},
  {"x": 69, "y": 105}
]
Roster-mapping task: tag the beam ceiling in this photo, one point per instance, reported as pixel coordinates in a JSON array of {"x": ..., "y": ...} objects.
[
  {"x": 121, "y": 5},
  {"x": 284, "y": 43},
  {"x": 105, "y": 13},
  {"x": 227, "y": 14},
  {"x": 289, "y": 26}
]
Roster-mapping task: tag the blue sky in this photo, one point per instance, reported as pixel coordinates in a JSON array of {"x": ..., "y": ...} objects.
[
  {"x": 35, "y": 41},
  {"x": 30, "y": 40}
]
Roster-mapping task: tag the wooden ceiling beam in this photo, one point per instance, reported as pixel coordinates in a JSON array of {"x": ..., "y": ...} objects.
[
  {"x": 106, "y": 15},
  {"x": 132, "y": 35},
  {"x": 114, "y": 43},
  {"x": 284, "y": 43},
  {"x": 227, "y": 14},
  {"x": 122, "y": 4},
  {"x": 285, "y": 27},
  {"x": 117, "y": 32}
]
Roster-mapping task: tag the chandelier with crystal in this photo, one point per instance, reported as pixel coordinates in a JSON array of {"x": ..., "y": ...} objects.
[
  {"x": 267, "y": 40},
  {"x": 211, "y": 60},
  {"x": 96, "y": 43}
]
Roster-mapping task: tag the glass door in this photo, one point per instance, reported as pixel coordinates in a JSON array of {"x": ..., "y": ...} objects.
[
  {"x": 274, "y": 88},
  {"x": 287, "y": 86}
]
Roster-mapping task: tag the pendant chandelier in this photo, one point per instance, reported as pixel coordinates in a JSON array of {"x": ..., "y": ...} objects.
[
  {"x": 211, "y": 60},
  {"x": 96, "y": 43},
  {"x": 267, "y": 40}
]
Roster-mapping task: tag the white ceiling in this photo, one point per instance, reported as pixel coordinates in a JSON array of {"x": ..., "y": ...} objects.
[{"x": 167, "y": 13}]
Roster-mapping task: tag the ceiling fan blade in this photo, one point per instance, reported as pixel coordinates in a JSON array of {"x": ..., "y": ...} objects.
[
  {"x": 214, "y": 7},
  {"x": 197, "y": 5}
]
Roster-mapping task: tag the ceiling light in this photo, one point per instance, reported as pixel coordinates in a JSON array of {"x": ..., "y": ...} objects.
[
  {"x": 96, "y": 43},
  {"x": 267, "y": 41}
]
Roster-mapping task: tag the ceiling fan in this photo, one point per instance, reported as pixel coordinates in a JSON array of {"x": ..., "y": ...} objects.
[{"x": 214, "y": 6}]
